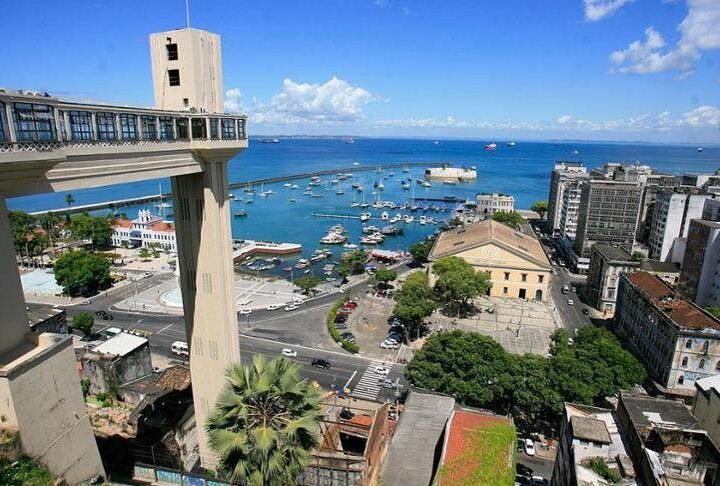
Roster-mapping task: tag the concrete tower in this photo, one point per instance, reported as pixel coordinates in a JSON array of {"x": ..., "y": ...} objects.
[{"x": 187, "y": 70}]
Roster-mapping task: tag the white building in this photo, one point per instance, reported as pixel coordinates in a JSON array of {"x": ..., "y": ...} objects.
[
  {"x": 563, "y": 173},
  {"x": 494, "y": 203},
  {"x": 570, "y": 209},
  {"x": 451, "y": 173},
  {"x": 144, "y": 231},
  {"x": 671, "y": 220},
  {"x": 699, "y": 278}
]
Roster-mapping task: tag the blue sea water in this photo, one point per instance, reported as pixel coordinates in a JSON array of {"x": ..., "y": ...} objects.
[{"x": 523, "y": 171}]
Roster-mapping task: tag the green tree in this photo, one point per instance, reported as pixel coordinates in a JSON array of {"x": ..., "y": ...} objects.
[
  {"x": 534, "y": 396},
  {"x": 512, "y": 219},
  {"x": 639, "y": 256},
  {"x": 353, "y": 263},
  {"x": 414, "y": 302},
  {"x": 265, "y": 423},
  {"x": 540, "y": 207},
  {"x": 98, "y": 229},
  {"x": 144, "y": 253},
  {"x": 421, "y": 250},
  {"x": 307, "y": 283},
  {"x": 458, "y": 282},
  {"x": 82, "y": 272},
  {"x": 713, "y": 310},
  {"x": 21, "y": 230},
  {"x": 384, "y": 276},
  {"x": 83, "y": 322}
]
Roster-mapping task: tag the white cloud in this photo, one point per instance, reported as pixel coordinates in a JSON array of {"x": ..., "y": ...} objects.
[
  {"x": 702, "y": 116},
  {"x": 232, "y": 101},
  {"x": 599, "y": 9},
  {"x": 380, "y": 3},
  {"x": 699, "y": 31},
  {"x": 564, "y": 119},
  {"x": 333, "y": 101}
]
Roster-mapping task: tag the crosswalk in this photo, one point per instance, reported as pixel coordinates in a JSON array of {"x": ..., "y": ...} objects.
[{"x": 368, "y": 386}]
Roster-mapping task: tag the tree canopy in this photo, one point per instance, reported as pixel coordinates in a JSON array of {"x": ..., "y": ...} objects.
[
  {"x": 82, "y": 272},
  {"x": 353, "y": 263},
  {"x": 421, "y": 250},
  {"x": 384, "y": 276},
  {"x": 28, "y": 238},
  {"x": 265, "y": 423},
  {"x": 540, "y": 207},
  {"x": 307, "y": 282},
  {"x": 713, "y": 310},
  {"x": 458, "y": 282},
  {"x": 512, "y": 218},
  {"x": 98, "y": 229},
  {"x": 414, "y": 301},
  {"x": 83, "y": 322}
]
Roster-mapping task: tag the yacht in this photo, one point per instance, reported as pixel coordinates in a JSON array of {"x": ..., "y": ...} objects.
[
  {"x": 377, "y": 205},
  {"x": 384, "y": 216},
  {"x": 365, "y": 216},
  {"x": 316, "y": 195},
  {"x": 391, "y": 230},
  {"x": 333, "y": 238},
  {"x": 511, "y": 144},
  {"x": 396, "y": 219},
  {"x": 405, "y": 186},
  {"x": 350, "y": 246},
  {"x": 339, "y": 192},
  {"x": 425, "y": 184},
  {"x": 241, "y": 213},
  {"x": 414, "y": 207},
  {"x": 308, "y": 193},
  {"x": 329, "y": 267},
  {"x": 408, "y": 218},
  {"x": 423, "y": 220},
  {"x": 350, "y": 141},
  {"x": 269, "y": 140},
  {"x": 368, "y": 230},
  {"x": 373, "y": 239},
  {"x": 231, "y": 196},
  {"x": 265, "y": 193},
  {"x": 380, "y": 186},
  {"x": 249, "y": 189},
  {"x": 287, "y": 184},
  {"x": 405, "y": 169},
  {"x": 302, "y": 263},
  {"x": 700, "y": 149},
  {"x": 490, "y": 146},
  {"x": 338, "y": 228}
]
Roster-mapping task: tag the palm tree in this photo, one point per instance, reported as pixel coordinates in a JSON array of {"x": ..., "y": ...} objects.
[{"x": 265, "y": 423}]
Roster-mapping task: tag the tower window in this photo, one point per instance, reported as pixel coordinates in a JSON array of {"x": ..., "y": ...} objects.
[
  {"x": 174, "y": 77},
  {"x": 172, "y": 52}
]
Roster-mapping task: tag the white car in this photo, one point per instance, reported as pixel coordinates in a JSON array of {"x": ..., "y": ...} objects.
[
  {"x": 291, "y": 307},
  {"x": 245, "y": 312},
  {"x": 289, "y": 353},
  {"x": 386, "y": 345},
  {"x": 272, "y": 307},
  {"x": 570, "y": 302},
  {"x": 529, "y": 447},
  {"x": 381, "y": 370},
  {"x": 571, "y": 341}
]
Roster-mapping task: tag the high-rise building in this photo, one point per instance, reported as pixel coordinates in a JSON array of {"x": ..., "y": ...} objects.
[
  {"x": 699, "y": 277},
  {"x": 673, "y": 211},
  {"x": 711, "y": 210},
  {"x": 607, "y": 263},
  {"x": 187, "y": 70},
  {"x": 608, "y": 214},
  {"x": 562, "y": 174},
  {"x": 570, "y": 208}
]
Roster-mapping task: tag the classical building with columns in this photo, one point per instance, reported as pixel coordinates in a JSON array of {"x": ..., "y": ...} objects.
[{"x": 51, "y": 145}]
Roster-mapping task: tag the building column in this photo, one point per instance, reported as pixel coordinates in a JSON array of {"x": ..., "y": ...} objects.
[
  {"x": 14, "y": 321},
  {"x": 202, "y": 218}
]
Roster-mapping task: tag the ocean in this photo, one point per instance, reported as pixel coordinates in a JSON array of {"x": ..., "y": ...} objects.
[{"x": 522, "y": 171}]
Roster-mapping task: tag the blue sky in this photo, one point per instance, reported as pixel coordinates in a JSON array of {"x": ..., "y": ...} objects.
[{"x": 583, "y": 69}]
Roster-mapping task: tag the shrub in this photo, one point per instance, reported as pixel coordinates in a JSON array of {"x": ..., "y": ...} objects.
[{"x": 347, "y": 345}]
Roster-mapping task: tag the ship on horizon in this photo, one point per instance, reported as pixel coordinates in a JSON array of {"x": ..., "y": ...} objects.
[
  {"x": 490, "y": 146},
  {"x": 270, "y": 140}
]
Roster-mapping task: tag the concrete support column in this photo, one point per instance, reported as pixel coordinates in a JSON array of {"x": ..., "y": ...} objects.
[
  {"x": 14, "y": 320},
  {"x": 202, "y": 218}
]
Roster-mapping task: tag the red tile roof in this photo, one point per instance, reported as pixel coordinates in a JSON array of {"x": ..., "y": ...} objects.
[
  {"x": 123, "y": 223},
  {"x": 163, "y": 226},
  {"x": 463, "y": 446},
  {"x": 683, "y": 312}
]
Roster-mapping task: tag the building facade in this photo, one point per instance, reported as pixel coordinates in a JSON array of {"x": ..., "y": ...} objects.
[
  {"x": 677, "y": 341},
  {"x": 563, "y": 173},
  {"x": 671, "y": 218},
  {"x": 699, "y": 277},
  {"x": 706, "y": 406},
  {"x": 145, "y": 231},
  {"x": 494, "y": 203},
  {"x": 608, "y": 214},
  {"x": 711, "y": 210},
  {"x": 516, "y": 262},
  {"x": 607, "y": 263}
]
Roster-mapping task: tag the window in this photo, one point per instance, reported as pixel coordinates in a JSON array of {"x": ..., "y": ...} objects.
[
  {"x": 228, "y": 128},
  {"x": 174, "y": 77},
  {"x": 199, "y": 128},
  {"x": 507, "y": 275},
  {"x": 182, "y": 128},
  {"x": 186, "y": 102},
  {"x": 717, "y": 366},
  {"x": 148, "y": 127},
  {"x": 705, "y": 347},
  {"x": 688, "y": 344},
  {"x": 3, "y": 124},
  {"x": 681, "y": 380},
  {"x": 80, "y": 125},
  {"x": 214, "y": 128},
  {"x": 241, "y": 128},
  {"x": 172, "y": 52},
  {"x": 105, "y": 126},
  {"x": 541, "y": 278},
  {"x": 166, "y": 128},
  {"x": 701, "y": 364},
  {"x": 34, "y": 122},
  {"x": 128, "y": 126},
  {"x": 684, "y": 361},
  {"x": 523, "y": 277},
  {"x": 505, "y": 290}
]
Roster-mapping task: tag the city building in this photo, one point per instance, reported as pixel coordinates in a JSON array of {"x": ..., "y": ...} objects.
[
  {"x": 570, "y": 210},
  {"x": 517, "y": 263},
  {"x": 48, "y": 319},
  {"x": 563, "y": 173},
  {"x": 677, "y": 341},
  {"x": 699, "y": 278},
  {"x": 494, "y": 203},
  {"x": 622, "y": 172},
  {"x": 119, "y": 360},
  {"x": 706, "y": 406},
  {"x": 608, "y": 214},
  {"x": 668, "y": 271},
  {"x": 671, "y": 218},
  {"x": 666, "y": 443},
  {"x": 606, "y": 264},
  {"x": 147, "y": 230},
  {"x": 711, "y": 211},
  {"x": 589, "y": 438},
  {"x": 654, "y": 183}
]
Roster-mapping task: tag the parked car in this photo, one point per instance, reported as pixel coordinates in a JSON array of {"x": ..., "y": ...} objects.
[
  {"x": 387, "y": 383},
  {"x": 245, "y": 312},
  {"x": 273, "y": 307},
  {"x": 386, "y": 345},
  {"x": 529, "y": 447},
  {"x": 570, "y": 302},
  {"x": 321, "y": 363},
  {"x": 291, "y": 307},
  {"x": 289, "y": 352},
  {"x": 573, "y": 289}
]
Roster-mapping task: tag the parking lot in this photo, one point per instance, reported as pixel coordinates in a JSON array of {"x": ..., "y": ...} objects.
[{"x": 369, "y": 324}]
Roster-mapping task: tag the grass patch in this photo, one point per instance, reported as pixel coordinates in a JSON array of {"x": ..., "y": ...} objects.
[
  {"x": 347, "y": 345},
  {"x": 25, "y": 472},
  {"x": 488, "y": 458},
  {"x": 601, "y": 469}
]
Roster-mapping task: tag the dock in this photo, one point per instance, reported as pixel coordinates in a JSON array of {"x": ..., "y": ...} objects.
[{"x": 246, "y": 248}]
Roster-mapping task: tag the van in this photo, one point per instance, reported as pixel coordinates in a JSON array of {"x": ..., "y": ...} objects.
[{"x": 180, "y": 348}]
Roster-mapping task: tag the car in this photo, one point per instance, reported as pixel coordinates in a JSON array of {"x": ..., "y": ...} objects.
[
  {"x": 529, "y": 447},
  {"x": 387, "y": 383},
  {"x": 570, "y": 302},
  {"x": 321, "y": 363},
  {"x": 391, "y": 341},
  {"x": 100, "y": 313},
  {"x": 290, "y": 353},
  {"x": 273, "y": 307},
  {"x": 339, "y": 325},
  {"x": 523, "y": 470},
  {"x": 571, "y": 341},
  {"x": 573, "y": 289},
  {"x": 245, "y": 312},
  {"x": 586, "y": 311},
  {"x": 291, "y": 307},
  {"x": 381, "y": 370},
  {"x": 521, "y": 480},
  {"x": 538, "y": 481},
  {"x": 157, "y": 370},
  {"x": 107, "y": 317},
  {"x": 349, "y": 337},
  {"x": 386, "y": 345}
]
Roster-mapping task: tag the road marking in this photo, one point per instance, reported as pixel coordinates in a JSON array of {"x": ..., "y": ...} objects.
[
  {"x": 163, "y": 329},
  {"x": 351, "y": 379}
]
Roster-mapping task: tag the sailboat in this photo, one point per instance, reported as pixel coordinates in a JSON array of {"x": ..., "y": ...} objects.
[{"x": 265, "y": 193}]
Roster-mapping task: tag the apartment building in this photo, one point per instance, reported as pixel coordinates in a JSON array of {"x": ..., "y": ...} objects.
[
  {"x": 678, "y": 342},
  {"x": 607, "y": 263},
  {"x": 570, "y": 209},
  {"x": 563, "y": 173},
  {"x": 711, "y": 210},
  {"x": 706, "y": 406},
  {"x": 700, "y": 274}
]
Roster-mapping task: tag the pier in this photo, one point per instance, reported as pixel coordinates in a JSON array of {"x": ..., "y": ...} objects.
[{"x": 245, "y": 248}]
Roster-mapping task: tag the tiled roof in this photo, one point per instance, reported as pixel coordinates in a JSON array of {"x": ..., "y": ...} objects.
[
  {"x": 588, "y": 428},
  {"x": 123, "y": 223},
  {"x": 683, "y": 312},
  {"x": 174, "y": 378},
  {"x": 163, "y": 226},
  {"x": 473, "y": 235}
]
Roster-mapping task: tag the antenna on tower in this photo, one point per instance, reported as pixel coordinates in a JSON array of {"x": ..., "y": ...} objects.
[{"x": 187, "y": 13}]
